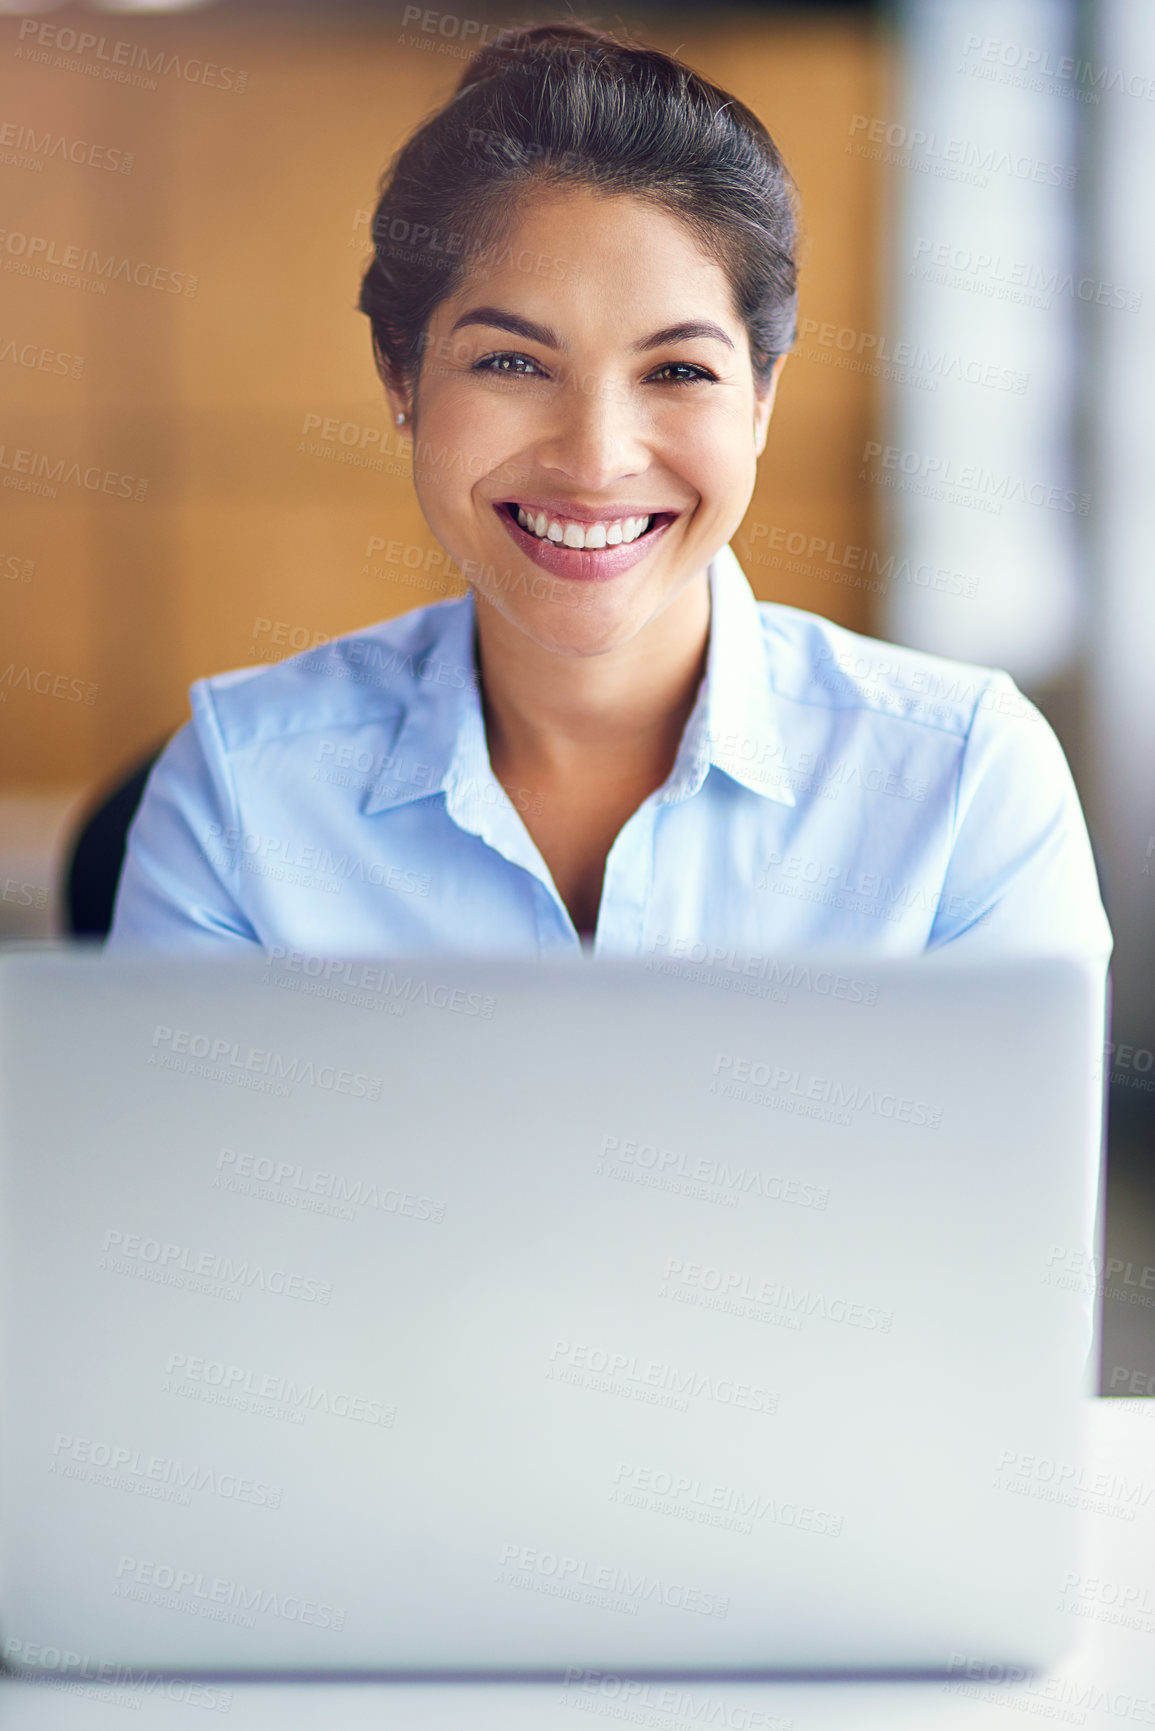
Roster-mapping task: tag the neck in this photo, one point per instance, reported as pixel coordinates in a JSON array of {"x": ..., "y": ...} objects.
[{"x": 558, "y": 714}]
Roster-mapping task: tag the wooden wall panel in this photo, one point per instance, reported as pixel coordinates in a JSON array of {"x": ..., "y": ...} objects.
[{"x": 254, "y": 531}]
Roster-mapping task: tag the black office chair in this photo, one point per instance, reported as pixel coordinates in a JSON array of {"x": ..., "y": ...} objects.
[{"x": 97, "y": 855}]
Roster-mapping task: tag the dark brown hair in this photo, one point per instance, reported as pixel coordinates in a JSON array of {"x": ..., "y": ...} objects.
[{"x": 548, "y": 106}]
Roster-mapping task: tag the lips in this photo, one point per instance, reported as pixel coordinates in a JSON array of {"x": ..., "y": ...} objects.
[
  {"x": 589, "y": 532},
  {"x": 585, "y": 564}
]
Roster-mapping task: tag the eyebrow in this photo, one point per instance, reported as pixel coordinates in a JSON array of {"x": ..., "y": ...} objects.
[{"x": 501, "y": 320}]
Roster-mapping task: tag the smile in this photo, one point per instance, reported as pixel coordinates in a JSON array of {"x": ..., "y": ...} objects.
[
  {"x": 587, "y": 551},
  {"x": 567, "y": 532}
]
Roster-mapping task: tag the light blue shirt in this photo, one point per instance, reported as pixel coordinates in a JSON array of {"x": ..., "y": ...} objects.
[{"x": 830, "y": 791}]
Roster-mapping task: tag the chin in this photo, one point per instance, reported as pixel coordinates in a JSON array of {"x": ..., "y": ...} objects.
[
  {"x": 578, "y": 643},
  {"x": 576, "y": 632}
]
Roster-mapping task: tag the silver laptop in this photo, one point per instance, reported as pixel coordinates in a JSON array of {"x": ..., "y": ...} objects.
[{"x": 443, "y": 1316}]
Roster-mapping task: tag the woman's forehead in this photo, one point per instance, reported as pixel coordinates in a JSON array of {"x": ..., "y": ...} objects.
[{"x": 574, "y": 257}]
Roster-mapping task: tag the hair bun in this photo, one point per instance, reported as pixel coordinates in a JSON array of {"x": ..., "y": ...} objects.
[
  {"x": 519, "y": 43},
  {"x": 571, "y": 105}
]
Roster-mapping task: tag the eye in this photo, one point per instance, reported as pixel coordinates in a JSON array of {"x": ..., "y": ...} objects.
[
  {"x": 511, "y": 364},
  {"x": 505, "y": 362},
  {"x": 684, "y": 367}
]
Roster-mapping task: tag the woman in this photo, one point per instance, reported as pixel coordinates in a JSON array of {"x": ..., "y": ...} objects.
[{"x": 582, "y": 298}]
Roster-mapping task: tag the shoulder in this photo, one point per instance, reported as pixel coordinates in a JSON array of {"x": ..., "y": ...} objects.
[
  {"x": 815, "y": 663},
  {"x": 962, "y": 732},
  {"x": 363, "y": 676}
]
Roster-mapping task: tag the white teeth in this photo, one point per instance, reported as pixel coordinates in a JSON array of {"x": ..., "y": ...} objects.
[{"x": 571, "y": 534}]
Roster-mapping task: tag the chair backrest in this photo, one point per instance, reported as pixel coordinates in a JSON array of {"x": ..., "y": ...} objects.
[{"x": 97, "y": 854}]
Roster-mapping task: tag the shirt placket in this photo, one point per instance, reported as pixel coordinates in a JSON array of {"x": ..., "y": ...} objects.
[
  {"x": 626, "y": 885},
  {"x": 477, "y": 803}
]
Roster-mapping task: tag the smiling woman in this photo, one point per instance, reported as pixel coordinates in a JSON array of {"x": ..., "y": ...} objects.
[{"x": 582, "y": 296}]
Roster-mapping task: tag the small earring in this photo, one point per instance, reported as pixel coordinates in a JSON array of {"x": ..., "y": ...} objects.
[{"x": 400, "y": 418}]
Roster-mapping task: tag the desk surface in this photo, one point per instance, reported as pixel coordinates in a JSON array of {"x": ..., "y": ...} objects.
[{"x": 1107, "y": 1682}]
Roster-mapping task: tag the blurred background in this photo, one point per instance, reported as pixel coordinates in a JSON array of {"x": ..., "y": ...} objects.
[{"x": 197, "y": 470}]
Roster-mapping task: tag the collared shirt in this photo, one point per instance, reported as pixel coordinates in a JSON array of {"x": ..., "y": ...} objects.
[{"x": 830, "y": 791}]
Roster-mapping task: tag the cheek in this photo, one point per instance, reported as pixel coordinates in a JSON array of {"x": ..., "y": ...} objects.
[
  {"x": 718, "y": 473},
  {"x": 465, "y": 442},
  {"x": 446, "y": 433},
  {"x": 708, "y": 441}
]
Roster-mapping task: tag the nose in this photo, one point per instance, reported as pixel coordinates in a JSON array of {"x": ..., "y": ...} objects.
[{"x": 597, "y": 437}]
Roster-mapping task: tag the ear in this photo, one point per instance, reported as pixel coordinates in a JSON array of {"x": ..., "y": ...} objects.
[
  {"x": 399, "y": 405},
  {"x": 763, "y": 406},
  {"x": 398, "y": 401}
]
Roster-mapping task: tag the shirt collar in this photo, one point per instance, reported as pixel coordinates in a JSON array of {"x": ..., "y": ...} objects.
[
  {"x": 440, "y": 745},
  {"x": 435, "y": 721},
  {"x": 733, "y": 725}
]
